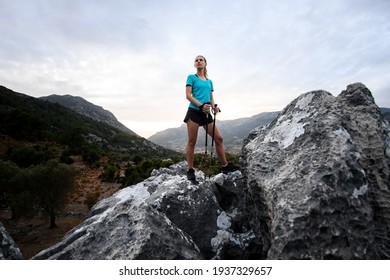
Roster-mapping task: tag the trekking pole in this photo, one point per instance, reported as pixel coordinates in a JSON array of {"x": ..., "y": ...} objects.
[
  {"x": 205, "y": 148},
  {"x": 212, "y": 137},
  {"x": 207, "y": 123},
  {"x": 206, "y": 127}
]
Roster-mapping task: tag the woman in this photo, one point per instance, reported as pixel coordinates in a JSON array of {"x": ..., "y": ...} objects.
[{"x": 199, "y": 91}]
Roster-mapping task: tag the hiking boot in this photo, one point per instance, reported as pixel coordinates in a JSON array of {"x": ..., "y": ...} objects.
[
  {"x": 229, "y": 168},
  {"x": 191, "y": 174}
]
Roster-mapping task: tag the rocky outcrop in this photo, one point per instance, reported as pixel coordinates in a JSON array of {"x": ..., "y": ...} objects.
[
  {"x": 164, "y": 217},
  {"x": 8, "y": 249},
  {"x": 317, "y": 179}
]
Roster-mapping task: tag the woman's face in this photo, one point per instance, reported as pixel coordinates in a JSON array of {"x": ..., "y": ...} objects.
[{"x": 200, "y": 62}]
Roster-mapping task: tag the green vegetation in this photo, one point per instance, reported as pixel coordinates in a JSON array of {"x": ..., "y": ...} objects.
[
  {"x": 25, "y": 156},
  {"x": 140, "y": 170},
  {"x": 38, "y": 188},
  {"x": 92, "y": 198},
  {"x": 212, "y": 166}
]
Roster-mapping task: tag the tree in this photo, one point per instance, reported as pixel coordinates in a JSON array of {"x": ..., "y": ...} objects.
[
  {"x": 7, "y": 171},
  {"x": 51, "y": 183},
  {"x": 15, "y": 191}
]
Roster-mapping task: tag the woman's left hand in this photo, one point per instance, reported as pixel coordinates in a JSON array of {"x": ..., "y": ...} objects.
[{"x": 216, "y": 109}]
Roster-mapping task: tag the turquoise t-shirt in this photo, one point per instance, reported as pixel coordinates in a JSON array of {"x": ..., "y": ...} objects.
[{"x": 200, "y": 89}]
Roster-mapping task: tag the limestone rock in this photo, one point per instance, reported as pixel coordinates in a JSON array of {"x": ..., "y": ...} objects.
[
  {"x": 8, "y": 249},
  {"x": 317, "y": 179},
  {"x": 164, "y": 217}
]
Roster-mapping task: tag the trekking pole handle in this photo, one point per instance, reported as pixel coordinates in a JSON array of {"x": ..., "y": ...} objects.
[{"x": 215, "y": 106}]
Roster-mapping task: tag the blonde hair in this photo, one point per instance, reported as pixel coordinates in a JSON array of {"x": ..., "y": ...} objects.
[{"x": 204, "y": 69}]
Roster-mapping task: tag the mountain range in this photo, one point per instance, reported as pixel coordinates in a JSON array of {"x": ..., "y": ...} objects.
[
  {"x": 25, "y": 118},
  {"x": 174, "y": 139},
  {"x": 233, "y": 131}
]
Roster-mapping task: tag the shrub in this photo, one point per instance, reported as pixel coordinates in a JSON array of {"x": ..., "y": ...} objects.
[
  {"x": 132, "y": 177},
  {"x": 65, "y": 157},
  {"x": 110, "y": 173},
  {"x": 91, "y": 199},
  {"x": 27, "y": 156},
  {"x": 90, "y": 155}
]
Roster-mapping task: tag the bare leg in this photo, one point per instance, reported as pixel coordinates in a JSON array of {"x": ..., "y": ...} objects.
[
  {"x": 192, "y": 130},
  {"x": 218, "y": 139}
]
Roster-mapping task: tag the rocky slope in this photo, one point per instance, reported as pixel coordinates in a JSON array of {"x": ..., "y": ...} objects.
[{"x": 314, "y": 185}]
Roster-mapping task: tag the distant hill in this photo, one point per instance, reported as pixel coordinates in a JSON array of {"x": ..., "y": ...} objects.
[
  {"x": 386, "y": 113},
  {"x": 233, "y": 131},
  {"x": 83, "y": 107},
  {"x": 25, "y": 118},
  {"x": 385, "y": 110}
]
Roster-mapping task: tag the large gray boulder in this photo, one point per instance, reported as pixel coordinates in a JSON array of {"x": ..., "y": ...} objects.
[
  {"x": 164, "y": 217},
  {"x": 8, "y": 249},
  {"x": 317, "y": 179}
]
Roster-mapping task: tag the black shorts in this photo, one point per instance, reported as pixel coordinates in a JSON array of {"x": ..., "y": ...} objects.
[{"x": 198, "y": 117}]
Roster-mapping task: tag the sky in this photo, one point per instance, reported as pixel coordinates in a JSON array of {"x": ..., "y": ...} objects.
[{"x": 132, "y": 57}]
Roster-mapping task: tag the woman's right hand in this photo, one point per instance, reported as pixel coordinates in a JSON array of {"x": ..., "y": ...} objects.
[{"x": 206, "y": 107}]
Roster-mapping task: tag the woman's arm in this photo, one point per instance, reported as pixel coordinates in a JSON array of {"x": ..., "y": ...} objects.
[
  {"x": 215, "y": 107},
  {"x": 212, "y": 99},
  {"x": 190, "y": 97}
]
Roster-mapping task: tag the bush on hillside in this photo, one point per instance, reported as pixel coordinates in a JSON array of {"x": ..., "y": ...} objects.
[
  {"x": 26, "y": 156},
  {"x": 110, "y": 173}
]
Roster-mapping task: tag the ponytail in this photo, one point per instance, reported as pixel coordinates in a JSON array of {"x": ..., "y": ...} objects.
[{"x": 205, "y": 68}]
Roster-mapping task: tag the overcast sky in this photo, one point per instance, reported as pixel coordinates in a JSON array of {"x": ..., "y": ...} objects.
[{"x": 132, "y": 57}]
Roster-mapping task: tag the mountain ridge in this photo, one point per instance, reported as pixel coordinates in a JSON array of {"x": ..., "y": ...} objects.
[
  {"x": 233, "y": 131},
  {"x": 29, "y": 118},
  {"x": 86, "y": 108}
]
